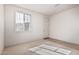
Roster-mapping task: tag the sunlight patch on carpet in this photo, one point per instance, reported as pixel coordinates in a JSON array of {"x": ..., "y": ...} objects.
[{"x": 46, "y": 49}]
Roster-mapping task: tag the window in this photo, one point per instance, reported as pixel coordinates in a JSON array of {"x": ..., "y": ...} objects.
[{"x": 22, "y": 21}]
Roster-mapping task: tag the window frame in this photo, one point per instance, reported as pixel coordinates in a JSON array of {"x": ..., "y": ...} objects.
[{"x": 24, "y": 13}]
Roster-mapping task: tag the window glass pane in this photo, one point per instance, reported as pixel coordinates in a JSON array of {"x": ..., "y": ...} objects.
[
  {"x": 27, "y": 25},
  {"x": 20, "y": 27},
  {"x": 27, "y": 18},
  {"x": 19, "y": 17}
]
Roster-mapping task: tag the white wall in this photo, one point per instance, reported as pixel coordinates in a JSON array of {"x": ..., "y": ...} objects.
[
  {"x": 62, "y": 26},
  {"x": 1, "y": 28},
  {"x": 65, "y": 26},
  {"x": 37, "y": 27}
]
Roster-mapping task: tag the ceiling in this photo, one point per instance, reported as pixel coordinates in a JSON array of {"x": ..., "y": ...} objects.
[{"x": 48, "y": 9}]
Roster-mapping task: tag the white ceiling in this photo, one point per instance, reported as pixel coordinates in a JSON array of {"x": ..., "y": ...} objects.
[{"x": 48, "y": 9}]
